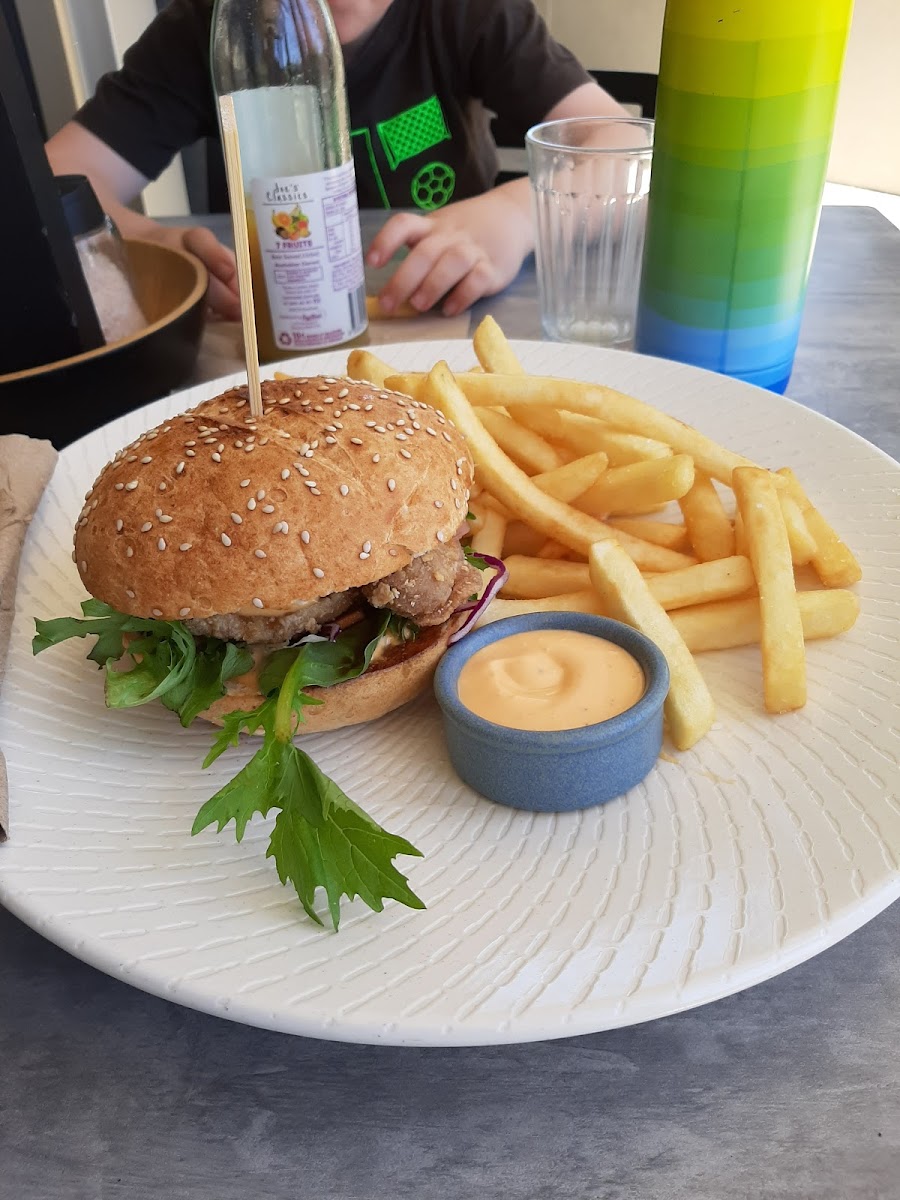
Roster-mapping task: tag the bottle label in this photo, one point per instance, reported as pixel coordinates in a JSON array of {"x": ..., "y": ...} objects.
[{"x": 311, "y": 251}]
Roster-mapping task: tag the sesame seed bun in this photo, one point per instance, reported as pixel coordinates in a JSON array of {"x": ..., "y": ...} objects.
[
  {"x": 338, "y": 485},
  {"x": 398, "y": 677}
]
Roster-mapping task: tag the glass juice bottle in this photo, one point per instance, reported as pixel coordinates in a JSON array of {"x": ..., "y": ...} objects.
[{"x": 281, "y": 62}]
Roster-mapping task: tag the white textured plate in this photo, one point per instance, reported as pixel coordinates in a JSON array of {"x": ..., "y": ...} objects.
[{"x": 766, "y": 844}]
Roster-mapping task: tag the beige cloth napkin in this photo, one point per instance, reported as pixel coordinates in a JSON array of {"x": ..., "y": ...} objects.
[
  {"x": 25, "y": 469},
  {"x": 222, "y": 348}
]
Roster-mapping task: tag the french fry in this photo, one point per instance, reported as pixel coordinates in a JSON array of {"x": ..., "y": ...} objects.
[
  {"x": 639, "y": 486},
  {"x": 801, "y": 541},
  {"x": 586, "y": 602},
  {"x": 718, "y": 580},
  {"x": 476, "y": 515},
  {"x": 513, "y": 488},
  {"x": 709, "y": 527},
  {"x": 375, "y": 312},
  {"x": 740, "y": 541},
  {"x": 585, "y": 435},
  {"x": 489, "y": 538},
  {"x": 283, "y": 375},
  {"x": 833, "y": 561},
  {"x": 368, "y": 367},
  {"x": 606, "y": 404},
  {"x": 660, "y": 533},
  {"x": 530, "y": 578},
  {"x": 783, "y": 653},
  {"x": 553, "y": 550},
  {"x": 689, "y": 707},
  {"x": 493, "y": 350},
  {"x": 723, "y": 625},
  {"x": 527, "y": 449},
  {"x": 729, "y": 623},
  {"x": 522, "y": 540},
  {"x": 571, "y": 480}
]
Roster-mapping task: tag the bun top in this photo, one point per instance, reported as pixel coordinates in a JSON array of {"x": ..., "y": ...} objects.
[{"x": 338, "y": 484}]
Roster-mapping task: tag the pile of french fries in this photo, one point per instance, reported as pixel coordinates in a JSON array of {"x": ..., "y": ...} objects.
[{"x": 571, "y": 479}]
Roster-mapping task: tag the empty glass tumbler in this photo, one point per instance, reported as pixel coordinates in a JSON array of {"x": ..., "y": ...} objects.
[{"x": 590, "y": 177}]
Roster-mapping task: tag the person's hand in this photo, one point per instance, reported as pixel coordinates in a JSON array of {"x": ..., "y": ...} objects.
[
  {"x": 222, "y": 296},
  {"x": 467, "y": 250}
]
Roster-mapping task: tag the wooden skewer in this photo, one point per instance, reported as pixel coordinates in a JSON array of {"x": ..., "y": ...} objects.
[{"x": 235, "y": 178}]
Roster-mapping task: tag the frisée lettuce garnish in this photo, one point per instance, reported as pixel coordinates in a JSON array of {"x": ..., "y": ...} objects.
[{"x": 320, "y": 838}]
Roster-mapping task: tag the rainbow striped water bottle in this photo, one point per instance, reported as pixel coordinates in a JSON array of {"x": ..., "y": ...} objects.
[{"x": 745, "y": 110}]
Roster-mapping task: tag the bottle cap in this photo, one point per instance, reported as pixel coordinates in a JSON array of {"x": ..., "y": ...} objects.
[{"x": 80, "y": 204}]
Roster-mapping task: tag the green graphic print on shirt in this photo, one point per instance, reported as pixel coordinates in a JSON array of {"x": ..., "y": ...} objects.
[{"x": 408, "y": 135}]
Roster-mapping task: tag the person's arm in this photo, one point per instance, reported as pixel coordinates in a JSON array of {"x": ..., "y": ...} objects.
[
  {"x": 74, "y": 150},
  {"x": 475, "y": 247}
]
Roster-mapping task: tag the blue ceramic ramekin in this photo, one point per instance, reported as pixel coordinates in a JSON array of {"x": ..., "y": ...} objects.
[{"x": 567, "y": 769}]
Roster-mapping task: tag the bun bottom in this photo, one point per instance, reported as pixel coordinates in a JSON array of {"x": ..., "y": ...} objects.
[{"x": 402, "y": 673}]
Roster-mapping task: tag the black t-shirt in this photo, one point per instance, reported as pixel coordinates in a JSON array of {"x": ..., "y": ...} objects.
[{"x": 421, "y": 87}]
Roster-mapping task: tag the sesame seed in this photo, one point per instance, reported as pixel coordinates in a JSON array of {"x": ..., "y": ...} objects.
[
  {"x": 157, "y": 612},
  {"x": 129, "y": 551},
  {"x": 363, "y": 554},
  {"x": 245, "y": 483},
  {"x": 251, "y": 504},
  {"x": 440, "y": 535},
  {"x": 330, "y": 441},
  {"x": 247, "y": 449},
  {"x": 405, "y": 453},
  {"x": 237, "y": 518},
  {"x": 344, "y": 490},
  {"x": 120, "y": 487},
  {"x": 331, "y": 428},
  {"x": 146, "y": 459},
  {"x": 280, "y": 527},
  {"x": 453, "y": 484},
  {"x": 165, "y": 519},
  {"x": 260, "y": 553},
  {"x": 162, "y": 487},
  {"x": 183, "y": 612},
  {"x": 226, "y": 540},
  {"x": 216, "y": 457},
  {"x": 191, "y": 453},
  {"x": 302, "y": 470},
  {"x": 179, "y": 468},
  {"x": 380, "y": 429},
  {"x": 308, "y": 453},
  {"x": 433, "y": 432},
  {"x": 239, "y": 444},
  {"x": 146, "y": 527},
  {"x": 392, "y": 552},
  {"x": 268, "y": 508},
  {"x": 119, "y": 525},
  {"x": 368, "y": 407},
  {"x": 131, "y": 458},
  {"x": 367, "y": 546},
  {"x": 392, "y": 483},
  {"x": 376, "y": 458},
  {"x": 318, "y": 572},
  {"x": 257, "y": 603},
  {"x": 310, "y": 483},
  {"x": 438, "y": 504},
  {"x": 129, "y": 592},
  {"x": 190, "y": 443},
  {"x": 343, "y": 392},
  {"x": 161, "y": 544},
  {"x": 304, "y": 537},
  {"x": 447, "y": 436},
  {"x": 356, "y": 441},
  {"x": 261, "y": 494},
  {"x": 220, "y": 447},
  {"x": 129, "y": 487},
  {"x": 185, "y": 545}
]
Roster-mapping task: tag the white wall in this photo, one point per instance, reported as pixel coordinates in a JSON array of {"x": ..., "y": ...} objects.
[{"x": 625, "y": 35}]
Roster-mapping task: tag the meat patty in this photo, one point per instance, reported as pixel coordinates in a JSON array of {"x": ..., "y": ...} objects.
[
  {"x": 232, "y": 627},
  {"x": 429, "y": 589}
]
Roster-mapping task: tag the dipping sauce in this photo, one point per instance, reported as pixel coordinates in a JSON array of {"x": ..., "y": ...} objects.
[{"x": 550, "y": 679}]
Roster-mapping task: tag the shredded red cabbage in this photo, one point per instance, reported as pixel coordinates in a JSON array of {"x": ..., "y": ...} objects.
[{"x": 476, "y": 607}]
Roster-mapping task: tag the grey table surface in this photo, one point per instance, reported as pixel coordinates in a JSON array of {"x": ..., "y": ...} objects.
[{"x": 790, "y": 1090}]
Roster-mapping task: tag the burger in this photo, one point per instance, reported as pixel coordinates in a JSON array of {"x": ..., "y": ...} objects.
[{"x": 289, "y": 573}]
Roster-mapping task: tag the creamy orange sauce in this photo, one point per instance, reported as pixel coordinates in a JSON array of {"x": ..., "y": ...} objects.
[{"x": 550, "y": 679}]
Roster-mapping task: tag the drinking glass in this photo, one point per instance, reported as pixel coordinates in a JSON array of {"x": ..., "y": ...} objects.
[{"x": 590, "y": 177}]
